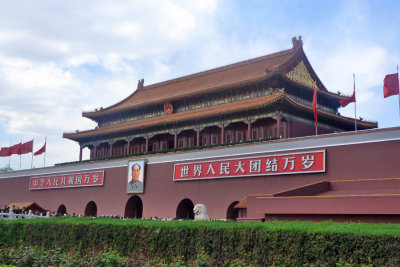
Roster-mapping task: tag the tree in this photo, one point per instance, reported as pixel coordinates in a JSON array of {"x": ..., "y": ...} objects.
[{"x": 6, "y": 168}]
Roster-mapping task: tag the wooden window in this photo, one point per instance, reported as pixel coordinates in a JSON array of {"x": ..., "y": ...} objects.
[
  {"x": 204, "y": 141},
  {"x": 239, "y": 136},
  {"x": 214, "y": 139},
  {"x": 180, "y": 143},
  {"x": 163, "y": 145},
  {"x": 154, "y": 146},
  {"x": 264, "y": 133},
  {"x": 191, "y": 141},
  {"x": 228, "y": 138},
  {"x": 255, "y": 134}
]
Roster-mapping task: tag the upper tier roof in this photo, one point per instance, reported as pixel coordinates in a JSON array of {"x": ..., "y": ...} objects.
[{"x": 237, "y": 74}]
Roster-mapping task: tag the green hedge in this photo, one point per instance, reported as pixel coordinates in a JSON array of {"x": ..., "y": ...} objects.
[{"x": 218, "y": 243}]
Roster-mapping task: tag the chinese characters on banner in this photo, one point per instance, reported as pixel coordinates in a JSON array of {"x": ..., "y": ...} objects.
[
  {"x": 67, "y": 180},
  {"x": 305, "y": 162}
]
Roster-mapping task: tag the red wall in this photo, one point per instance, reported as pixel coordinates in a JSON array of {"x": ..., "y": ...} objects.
[{"x": 162, "y": 195}]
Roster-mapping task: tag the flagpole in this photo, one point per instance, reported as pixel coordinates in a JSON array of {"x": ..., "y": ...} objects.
[
  {"x": 315, "y": 110},
  {"x": 44, "y": 157},
  {"x": 355, "y": 105},
  {"x": 33, "y": 140},
  {"x": 20, "y": 155},
  {"x": 316, "y": 125},
  {"x": 9, "y": 157},
  {"x": 397, "y": 80}
]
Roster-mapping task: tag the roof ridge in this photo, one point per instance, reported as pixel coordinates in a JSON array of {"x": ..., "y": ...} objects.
[{"x": 222, "y": 68}]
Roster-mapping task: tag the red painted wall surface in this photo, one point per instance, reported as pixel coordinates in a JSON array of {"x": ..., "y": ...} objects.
[{"x": 162, "y": 195}]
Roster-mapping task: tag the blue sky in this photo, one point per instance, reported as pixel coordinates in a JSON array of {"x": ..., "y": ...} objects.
[{"x": 58, "y": 59}]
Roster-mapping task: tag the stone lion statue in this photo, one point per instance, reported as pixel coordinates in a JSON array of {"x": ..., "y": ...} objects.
[{"x": 200, "y": 213}]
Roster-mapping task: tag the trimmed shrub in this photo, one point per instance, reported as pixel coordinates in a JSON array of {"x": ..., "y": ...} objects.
[{"x": 189, "y": 243}]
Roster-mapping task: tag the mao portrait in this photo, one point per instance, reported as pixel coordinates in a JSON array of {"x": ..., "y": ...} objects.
[{"x": 135, "y": 176}]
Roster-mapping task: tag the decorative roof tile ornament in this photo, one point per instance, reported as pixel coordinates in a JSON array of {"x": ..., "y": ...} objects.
[
  {"x": 301, "y": 75},
  {"x": 140, "y": 84}
]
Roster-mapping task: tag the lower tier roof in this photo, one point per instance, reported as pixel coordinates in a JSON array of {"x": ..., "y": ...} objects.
[{"x": 219, "y": 110}]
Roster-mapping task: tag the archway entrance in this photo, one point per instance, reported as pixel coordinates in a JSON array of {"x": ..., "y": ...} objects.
[
  {"x": 231, "y": 212},
  {"x": 61, "y": 210},
  {"x": 185, "y": 210},
  {"x": 134, "y": 207},
  {"x": 91, "y": 209}
]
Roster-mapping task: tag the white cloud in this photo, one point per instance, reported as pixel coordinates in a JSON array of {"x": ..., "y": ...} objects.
[
  {"x": 176, "y": 23},
  {"x": 57, "y": 59},
  {"x": 128, "y": 30},
  {"x": 208, "y": 6},
  {"x": 78, "y": 60},
  {"x": 46, "y": 76}
]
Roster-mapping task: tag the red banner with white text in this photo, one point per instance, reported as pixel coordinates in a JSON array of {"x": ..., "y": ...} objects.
[
  {"x": 93, "y": 178},
  {"x": 294, "y": 163}
]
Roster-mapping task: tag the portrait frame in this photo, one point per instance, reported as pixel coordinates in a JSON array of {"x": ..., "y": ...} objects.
[{"x": 131, "y": 186}]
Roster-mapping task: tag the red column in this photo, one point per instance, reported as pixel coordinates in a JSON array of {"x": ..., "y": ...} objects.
[
  {"x": 80, "y": 153},
  {"x": 147, "y": 144},
  {"x": 249, "y": 131},
  {"x": 198, "y": 137},
  {"x": 289, "y": 129},
  {"x": 176, "y": 140},
  {"x": 222, "y": 133},
  {"x": 278, "y": 126},
  {"x": 111, "y": 148},
  {"x": 95, "y": 152},
  {"x": 128, "y": 148}
]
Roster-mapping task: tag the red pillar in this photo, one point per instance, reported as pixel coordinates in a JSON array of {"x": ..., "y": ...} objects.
[
  {"x": 95, "y": 152},
  {"x": 176, "y": 140},
  {"x": 128, "y": 148},
  {"x": 111, "y": 148},
  {"x": 198, "y": 137},
  {"x": 289, "y": 129},
  {"x": 80, "y": 153},
  {"x": 147, "y": 144},
  {"x": 278, "y": 126},
  {"x": 222, "y": 133},
  {"x": 249, "y": 130}
]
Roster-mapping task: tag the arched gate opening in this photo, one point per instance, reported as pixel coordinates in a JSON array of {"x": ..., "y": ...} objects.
[
  {"x": 231, "y": 212},
  {"x": 61, "y": 210},
  {"x": 91, "y": 209},
  {"x": 134, "y": 207},
  {"x": 185, "y": 210}
]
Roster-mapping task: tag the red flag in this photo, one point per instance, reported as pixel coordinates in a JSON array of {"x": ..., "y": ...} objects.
[
  {"x": 5, "y": 152},
  {"x": 314, "y": 105},
  {"x": 41, "y": 151},
  {"x": 26, "y": 147},
  {"x": 345, "y": 102},
  {"x": 391, "y": 85},
  {"x": 15, "y": 149}
]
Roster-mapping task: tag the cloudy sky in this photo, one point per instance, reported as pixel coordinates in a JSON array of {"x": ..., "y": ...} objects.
[{"x": 59, "y": 58}]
